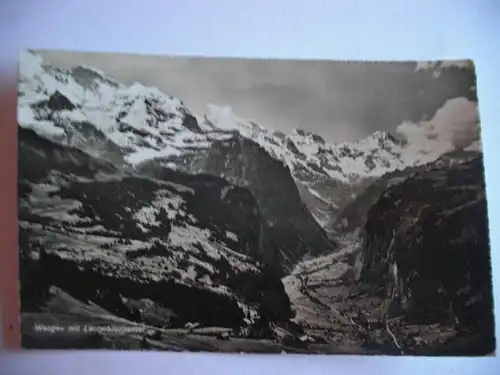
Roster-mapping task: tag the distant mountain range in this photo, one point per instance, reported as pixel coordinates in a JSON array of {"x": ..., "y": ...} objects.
[{"x": 84, "y": 108}]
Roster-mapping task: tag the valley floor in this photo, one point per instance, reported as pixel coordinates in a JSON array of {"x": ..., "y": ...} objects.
[
  {"x": 329, "y": 304},
  {"x": 336, "y": 316}
]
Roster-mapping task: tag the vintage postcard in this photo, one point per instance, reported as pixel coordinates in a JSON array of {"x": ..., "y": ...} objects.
[{"x": 252, "y": 206}]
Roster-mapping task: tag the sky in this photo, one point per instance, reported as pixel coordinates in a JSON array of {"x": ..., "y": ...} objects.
[
  {"x": 339, "y": 100},
  {"x": 313, "y": 29}
]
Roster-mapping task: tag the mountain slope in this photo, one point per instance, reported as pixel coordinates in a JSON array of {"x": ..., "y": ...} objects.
[
  {"x": 290, "y": 226},
  {"x": 188, "y": 243},
  {"x": 427, "y": 240}
]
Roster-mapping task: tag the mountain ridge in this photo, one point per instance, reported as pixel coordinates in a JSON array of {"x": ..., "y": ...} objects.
[
  {"x": 140, "y": 104},
  {"x": 130, "y": 125}
]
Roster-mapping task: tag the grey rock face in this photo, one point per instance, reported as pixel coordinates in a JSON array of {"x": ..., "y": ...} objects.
[{"x": 427, "y": 238}]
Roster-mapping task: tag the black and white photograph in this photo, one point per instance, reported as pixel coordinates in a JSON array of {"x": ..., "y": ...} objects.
[{"x": 176, "y": 203}]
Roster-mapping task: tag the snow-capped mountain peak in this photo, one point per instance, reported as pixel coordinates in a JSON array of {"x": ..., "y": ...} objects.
[
  {"x": 307, "y": 154},
  {"x": 137, "y": 122}
]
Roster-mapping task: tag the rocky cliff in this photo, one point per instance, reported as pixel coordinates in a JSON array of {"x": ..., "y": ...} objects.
[{"x": 427, "y": 243}]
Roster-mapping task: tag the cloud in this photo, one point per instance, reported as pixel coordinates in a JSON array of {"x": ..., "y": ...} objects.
[{"x": 454, "y": 126}]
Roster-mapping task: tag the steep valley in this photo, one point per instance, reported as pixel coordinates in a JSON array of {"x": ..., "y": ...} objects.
[{"x": 219, "y": 235}]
